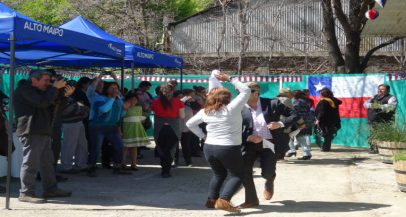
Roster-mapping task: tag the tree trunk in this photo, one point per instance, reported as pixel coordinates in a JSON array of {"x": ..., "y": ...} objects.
[
  {"x": 244, "y": 38},
  {"x": 329, "y": 32},
  {"x": 144, "y": 22},
  {"x": 352, "y": 58},
  {"x": 223, "y": 29}
]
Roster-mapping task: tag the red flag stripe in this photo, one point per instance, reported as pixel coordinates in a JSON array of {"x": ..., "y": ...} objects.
[{"x": 351, "y": 107}]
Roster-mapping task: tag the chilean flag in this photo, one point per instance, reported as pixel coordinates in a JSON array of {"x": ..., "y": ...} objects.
[{"x": 353, "y": 91}]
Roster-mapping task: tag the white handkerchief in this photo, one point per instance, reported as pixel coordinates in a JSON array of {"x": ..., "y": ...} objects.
[
  {"x": 294, "y": 133},
  {"x": 213, "y": 81},
  {"x": 268, "y": 144}
]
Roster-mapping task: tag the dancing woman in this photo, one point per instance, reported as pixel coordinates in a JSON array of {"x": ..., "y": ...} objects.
[{"x": 222, "y": 147}]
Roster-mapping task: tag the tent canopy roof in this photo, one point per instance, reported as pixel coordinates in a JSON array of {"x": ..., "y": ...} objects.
[
  {"x": 33, "y": 37},
  {"x": 141, "y": 57}
]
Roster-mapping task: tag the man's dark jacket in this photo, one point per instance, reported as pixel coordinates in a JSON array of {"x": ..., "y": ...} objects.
[
  {"x": 33, "y": 110},
  {"x": 272, "y": 110}
]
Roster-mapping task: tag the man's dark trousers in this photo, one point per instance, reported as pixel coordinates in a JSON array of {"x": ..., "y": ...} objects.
[{"x": 251, "y": 152}]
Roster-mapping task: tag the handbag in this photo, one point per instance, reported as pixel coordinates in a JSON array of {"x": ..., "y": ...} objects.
[
  {"x": 320, "y": 131},
  {"x": 327, "y": 130},
  {"x": 147, "y": 123}
]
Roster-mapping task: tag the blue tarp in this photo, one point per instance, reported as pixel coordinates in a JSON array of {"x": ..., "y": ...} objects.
[
  {"x": 33, "y": 37},
  {"x": 141, "y": 57}
]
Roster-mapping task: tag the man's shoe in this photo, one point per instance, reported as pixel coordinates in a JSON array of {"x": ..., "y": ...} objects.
[
  {"x": 226, "y": 205},
  {"x": 268, "y": 193},
  {"x": 247, "y": 205},
  {"x": 210, "y": 203},
  {"x": 30, "y": 198},
  {"x": 269, "y": 188},
  {"x": 305, "y": 157},
  {"x": 57, "y": 193}
]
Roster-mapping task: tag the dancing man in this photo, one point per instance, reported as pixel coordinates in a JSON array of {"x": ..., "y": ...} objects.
[{"x": 261, "y": 118}]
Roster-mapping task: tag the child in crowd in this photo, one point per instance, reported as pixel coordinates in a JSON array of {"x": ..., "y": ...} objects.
[{"x": 134, "y": 134}]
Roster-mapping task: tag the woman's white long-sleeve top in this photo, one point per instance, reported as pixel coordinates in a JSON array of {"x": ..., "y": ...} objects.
[{"x": 224, "y": 127}]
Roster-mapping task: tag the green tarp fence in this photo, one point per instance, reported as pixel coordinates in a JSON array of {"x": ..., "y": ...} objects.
[{"x": 354, "y": 132}]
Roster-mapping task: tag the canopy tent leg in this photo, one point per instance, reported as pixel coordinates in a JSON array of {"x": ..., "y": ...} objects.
[
  {"x": 181, "y": 79},
  {"x": 132, "y": 76},
  {"x": 122, "y": 77},
  {"x": 10, "y": 117}
]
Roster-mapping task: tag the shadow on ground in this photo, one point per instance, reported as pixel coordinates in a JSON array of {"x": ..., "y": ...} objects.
[
  {"x": 326, "y": 161},
  {"x": 145, "y": 189},
  {"x": 291, "y": 206}
]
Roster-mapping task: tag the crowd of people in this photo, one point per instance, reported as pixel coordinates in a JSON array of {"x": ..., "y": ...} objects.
[
  {"x": 60, "y": 119},
  {"x": 76, "y": 121}
]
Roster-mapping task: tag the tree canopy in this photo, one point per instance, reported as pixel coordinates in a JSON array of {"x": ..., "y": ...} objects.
[
  {"x": 187, "y": 8},
  {"x": 137, "y": 21},
  {"x": 53, "y": 12}
]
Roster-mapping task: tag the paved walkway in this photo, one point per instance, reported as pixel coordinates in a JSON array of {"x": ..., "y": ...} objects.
[{"x": 345, "y": 182}]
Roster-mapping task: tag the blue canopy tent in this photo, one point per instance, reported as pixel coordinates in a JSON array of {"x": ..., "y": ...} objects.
[
  {"x": 31, "y": 35},
  {"x": 135, "y": 56},
  {"x": 25, "y": 40}
]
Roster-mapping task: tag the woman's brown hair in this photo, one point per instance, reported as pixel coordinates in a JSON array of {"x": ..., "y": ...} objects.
[
  {"x": 298, "y": 94},
  {"x": 216, "y": 99},
  {"x": 166, "y": 96},
  {"x": 325, "y": 92}
]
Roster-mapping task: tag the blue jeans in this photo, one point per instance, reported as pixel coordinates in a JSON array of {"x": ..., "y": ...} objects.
[
  {"x": 96, "y": 135},
  {"x": 303, "y": 141},
  {"x": 224, "y": 161}
]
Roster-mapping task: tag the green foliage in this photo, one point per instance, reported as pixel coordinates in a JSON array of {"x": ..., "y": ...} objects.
[
  {"x": 187, "y": 8},
  {"x": 388, "y": 132},
  {"x": 400, "y": 156},
  {"x": 53, "y": 12}
]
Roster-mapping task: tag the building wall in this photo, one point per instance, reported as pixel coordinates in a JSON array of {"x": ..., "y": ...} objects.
[{"x": 275, "y": 28}]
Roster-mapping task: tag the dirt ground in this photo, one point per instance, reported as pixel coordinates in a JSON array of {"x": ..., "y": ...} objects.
[{"x": 344, "y": 182}]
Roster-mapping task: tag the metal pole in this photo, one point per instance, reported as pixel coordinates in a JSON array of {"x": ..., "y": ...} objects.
[
  {"x": 10, "y": 117},
  {"x": 306, "y": 39},
  {"x": 403, "y": 56},
  {"x": 132, "y": 76},
  {"x": 122, "y": 77},
  {"x": 181, "y": 79}
]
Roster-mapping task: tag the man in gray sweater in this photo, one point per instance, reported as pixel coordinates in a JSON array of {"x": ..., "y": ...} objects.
[{"x": 33, "y": 110}]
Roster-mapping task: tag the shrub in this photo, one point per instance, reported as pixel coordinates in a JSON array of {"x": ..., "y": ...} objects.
[
  {"x": 388, "y": 132},
  {"x": 400, "y": 156}
]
